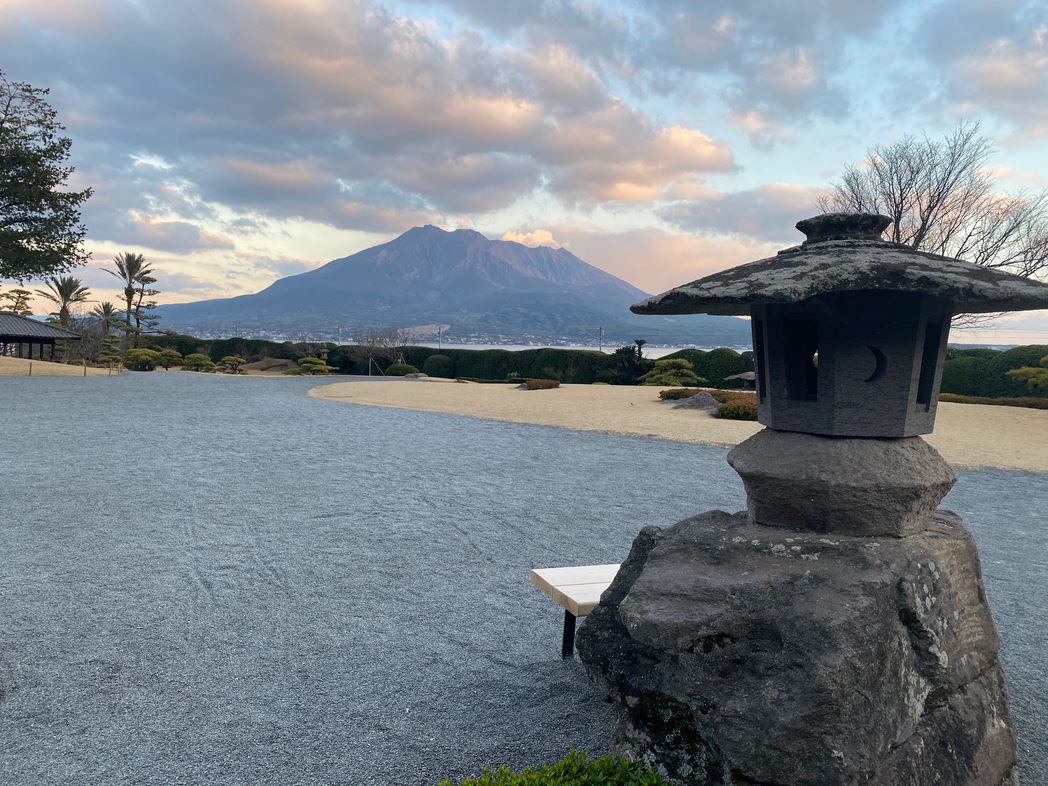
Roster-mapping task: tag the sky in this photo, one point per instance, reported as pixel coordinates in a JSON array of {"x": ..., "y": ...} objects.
[{"x": 235, "y": 142}]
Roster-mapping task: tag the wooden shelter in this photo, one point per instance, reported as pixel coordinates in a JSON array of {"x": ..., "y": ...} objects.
[{"x": 21, "y": 336}]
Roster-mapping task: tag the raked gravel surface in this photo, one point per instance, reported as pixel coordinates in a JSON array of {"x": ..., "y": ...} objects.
[{"x": 215, "y": 580}]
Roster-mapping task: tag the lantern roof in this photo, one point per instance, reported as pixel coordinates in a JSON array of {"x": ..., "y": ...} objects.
[{"x": 844, "y": 252}]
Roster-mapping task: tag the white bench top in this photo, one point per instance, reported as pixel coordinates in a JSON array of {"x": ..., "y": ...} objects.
[{"x": 577, "y": 589}]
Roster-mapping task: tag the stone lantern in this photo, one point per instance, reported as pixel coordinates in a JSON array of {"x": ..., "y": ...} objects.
[{"x": 837, "y": 631}]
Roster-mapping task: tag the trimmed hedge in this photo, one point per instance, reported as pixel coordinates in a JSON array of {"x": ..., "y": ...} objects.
[
  {"x": 575, "y": 769},
  {"x": 1025, "y": 401},
  {"x": 675, "y": 394},
  {"x": 401, "y": 370},
  {"x": 541, "y": 384},
  {"x": 736, "y": 410}
]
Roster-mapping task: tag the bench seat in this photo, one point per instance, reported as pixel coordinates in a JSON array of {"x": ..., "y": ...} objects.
[{"x": 577, "y": 590}]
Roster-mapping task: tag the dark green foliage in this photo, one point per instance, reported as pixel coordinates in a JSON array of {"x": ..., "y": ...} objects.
[
  {"x": 400, "y": 370},
  {"x": 576, "y": 769},
  {"x": 231, "y": 364},
  {"x": 671, "y": 371},
  {"x": 40, "y": 229},
  {"x": 141, "y": 359},
  {"x": 736, "y": 410},
  {"x": 197, "y": 361},
  {"x": 1035, "y": 377},
  {"x": 675, "y": 394},
  {"x": 439, "y": 366},
  {"x": 541, "y": 384},
  {"x": 580, "y": 366},
  {"x": 311, "y": 366},
  {"x": 169, "y": 358},
  {"x": 717, "y": 364},
  {"x": 982, "y": 372},
  {"x": 1028, "y": 402}
]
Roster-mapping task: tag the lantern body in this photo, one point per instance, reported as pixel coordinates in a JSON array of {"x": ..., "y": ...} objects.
[{"x": 851, "y": 364}]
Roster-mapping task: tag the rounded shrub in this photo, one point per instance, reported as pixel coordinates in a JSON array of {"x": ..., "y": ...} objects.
[
  {"x": 737, "y": 410},
  {"x": 400, "y": 370},
  {"x": 541, "y": 384},
  {"x": 198, "y": 361},
  {"x": 439, "y": 366},
  {"x": 674, "y": 394},
  {"x": 141, "y": 359}
]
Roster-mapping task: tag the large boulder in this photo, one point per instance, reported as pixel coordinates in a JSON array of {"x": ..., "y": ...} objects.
[{"x": 741, "y": 654}]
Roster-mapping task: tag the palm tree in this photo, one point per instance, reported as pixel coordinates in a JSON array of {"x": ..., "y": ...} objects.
[
  {"x": 64, "y": 291},
  {"x": 105, "y": 313},
  {"x": 131, "y": 268}
]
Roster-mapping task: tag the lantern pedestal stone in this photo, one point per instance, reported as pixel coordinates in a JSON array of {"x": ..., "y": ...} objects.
[
  {"x": 800, "y": 651},
  {"x": 841, "y": 485}
]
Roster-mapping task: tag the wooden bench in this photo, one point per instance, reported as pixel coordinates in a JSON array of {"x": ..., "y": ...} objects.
[{"x": 578, "y": 590}]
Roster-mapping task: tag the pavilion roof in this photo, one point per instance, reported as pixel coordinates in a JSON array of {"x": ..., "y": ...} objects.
[{"x": 15, "y": 326}]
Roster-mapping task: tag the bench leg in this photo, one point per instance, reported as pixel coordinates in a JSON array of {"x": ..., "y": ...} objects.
[{"x": 567, "y": 644}]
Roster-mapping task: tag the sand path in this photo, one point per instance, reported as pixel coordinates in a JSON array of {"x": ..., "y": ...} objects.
[{"x": 967, "y": 435}]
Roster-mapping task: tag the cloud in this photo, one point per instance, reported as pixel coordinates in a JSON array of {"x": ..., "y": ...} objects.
[
  {"x": 991, "y": 56},
  {"x": 767, "y": 213},
  {"x": 656, "y": 260},
  {"x": 532, "y": 239}
]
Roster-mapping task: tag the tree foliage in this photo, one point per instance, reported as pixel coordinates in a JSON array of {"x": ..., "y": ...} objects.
[
  {"x": 132, "y": 270},
  {"x": 941, "y": 197},
  {"x": 17, "y": 301},
  {"x": 1035, "y": 377},
  {"x": 40, "y": 229},
  {"x": 197, "y": 361},
  {"x": 141, "y": 359},
  {"x": 671, "y": 372},
  {"x": 65, "y": 292}
]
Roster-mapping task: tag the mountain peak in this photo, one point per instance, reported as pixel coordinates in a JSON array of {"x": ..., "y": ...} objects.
[{"x": 498, "y": 289}]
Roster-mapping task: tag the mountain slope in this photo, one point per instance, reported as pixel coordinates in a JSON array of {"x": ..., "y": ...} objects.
[{"x": 486, "y": 290}]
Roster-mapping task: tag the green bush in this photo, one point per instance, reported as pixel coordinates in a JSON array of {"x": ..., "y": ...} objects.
[
  {"x": 439, "y": 366},
  {"x": 313, "y": 366},
  {"x": 671, "y": 371},
  {"x": 141, "y": 359},
  {"x": 170, "y": 357},
  {"x": 231, "y": 364},
  {"x": 400, "y": 370},
  {"x": 573, "y": 770},
  {"x": 541, "y": 384},
  {"x": 674, "y": 394},
  {"x": 736, "y": 410},
  {"x": 198, "y": 361}
]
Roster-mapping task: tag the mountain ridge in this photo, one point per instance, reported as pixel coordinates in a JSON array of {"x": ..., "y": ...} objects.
[{"x": 496, "y": 291}]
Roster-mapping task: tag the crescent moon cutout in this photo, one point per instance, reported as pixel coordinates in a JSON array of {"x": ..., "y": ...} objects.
[{"x": 882, "y": 364}]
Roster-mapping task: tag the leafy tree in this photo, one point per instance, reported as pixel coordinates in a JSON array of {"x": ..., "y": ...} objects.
[
  {"x": 231, "y": 364},
  {"x": 40, "y": 229},
  {"x": 106, "y": 315},
  {"x": 132, "y": 269},
  {"x": 1035, "y": 377},
  {"x": 673, "y": 372},
  {"x": 169, "y": 358},
  {"x": 141, "y": 359},
  {"x": 940, "y": 195},
  {"x": 64, "y": 292},
  {"x": 198, "y": 362},
  {"x": 312, "y": 366},
  {"x": 19, "y": 301},
  {"x": 629, "y": 365}
]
